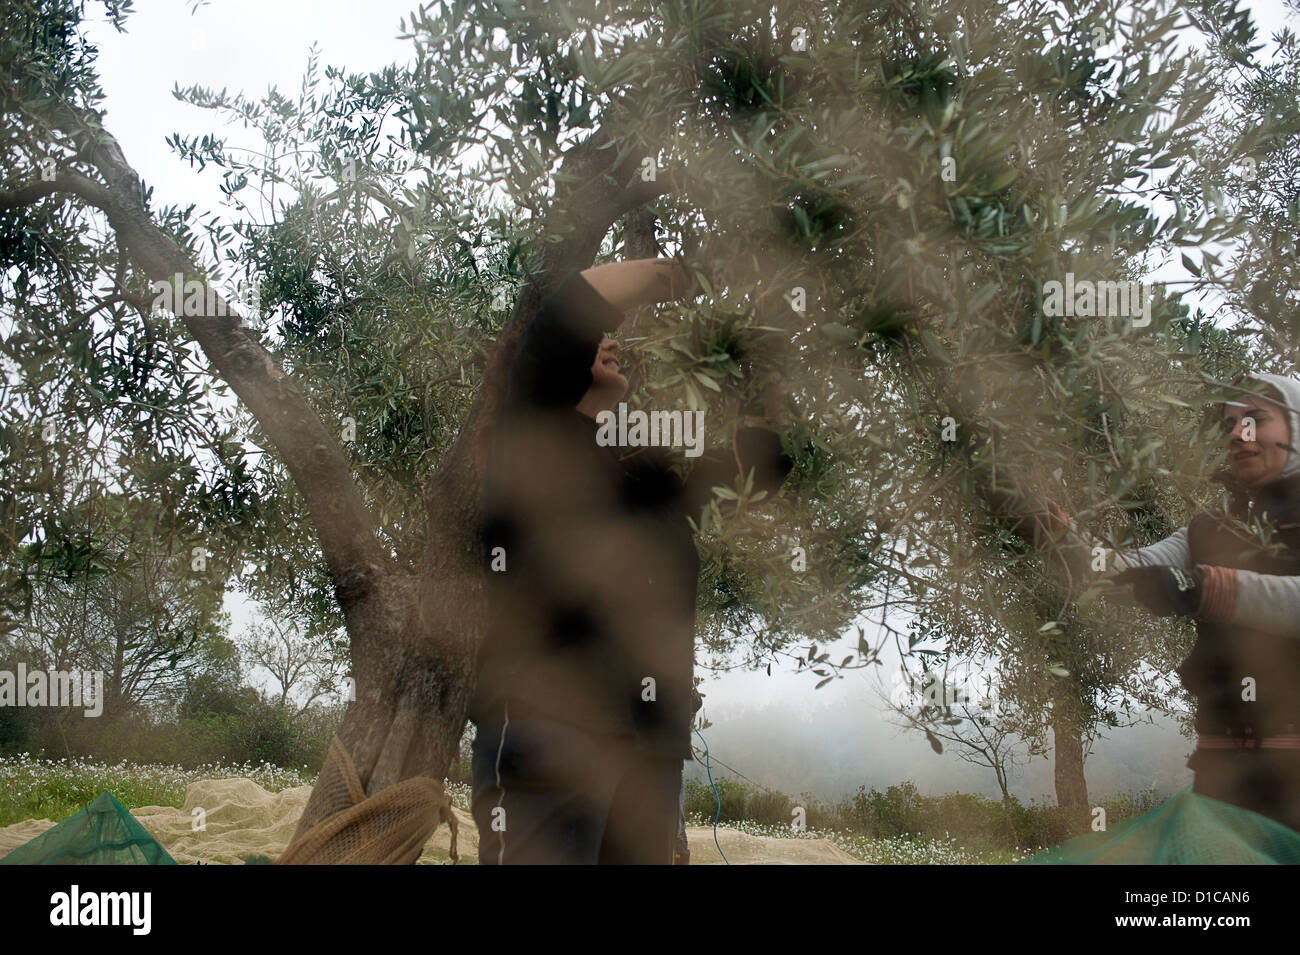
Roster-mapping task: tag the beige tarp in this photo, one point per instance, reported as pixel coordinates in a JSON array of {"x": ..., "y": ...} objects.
[{"x": 243, "y": 819}]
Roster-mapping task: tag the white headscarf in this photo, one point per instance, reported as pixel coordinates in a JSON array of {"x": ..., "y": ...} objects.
[{"x": 1289, "y": 391}]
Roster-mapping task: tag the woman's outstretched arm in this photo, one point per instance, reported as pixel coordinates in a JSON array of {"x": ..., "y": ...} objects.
[{"x": 627, "y": 285}]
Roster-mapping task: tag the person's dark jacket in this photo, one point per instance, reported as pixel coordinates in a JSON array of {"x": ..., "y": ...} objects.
[
  {"x": 1246, "y": 681},
  {"x": 592, "y": 602},
  {"x": 1227, "y": 653}
]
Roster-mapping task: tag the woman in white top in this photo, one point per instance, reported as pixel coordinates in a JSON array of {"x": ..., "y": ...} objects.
[{"x": 1244, "y": 670}]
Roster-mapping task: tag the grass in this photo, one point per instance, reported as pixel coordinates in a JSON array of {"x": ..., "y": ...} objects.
[{"x": 32, "y": 788}]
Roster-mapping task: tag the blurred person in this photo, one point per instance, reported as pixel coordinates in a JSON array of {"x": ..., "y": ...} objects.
[{"x": 584, "y": 700}]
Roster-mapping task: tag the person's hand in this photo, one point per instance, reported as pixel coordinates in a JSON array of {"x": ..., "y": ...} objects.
[
  {"x": 1057, "y": 522},
  {"x": 1164, "y": 590},
  {"x": 1048, "y": 526}
]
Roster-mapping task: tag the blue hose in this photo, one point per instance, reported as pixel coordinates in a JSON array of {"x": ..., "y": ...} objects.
[{"x": 718, "y": 814}]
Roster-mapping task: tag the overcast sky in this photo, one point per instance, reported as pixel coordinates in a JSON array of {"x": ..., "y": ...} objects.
[{"x": 250, "y": 45}]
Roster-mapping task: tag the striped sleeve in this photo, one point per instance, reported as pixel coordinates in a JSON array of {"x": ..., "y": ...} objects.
[{"x": 1253, "y": 601}]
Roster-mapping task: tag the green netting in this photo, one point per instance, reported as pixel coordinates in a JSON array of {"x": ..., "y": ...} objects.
[
  {"x": 1189, "y": 829},
  {"x": 104, "y": 833}
]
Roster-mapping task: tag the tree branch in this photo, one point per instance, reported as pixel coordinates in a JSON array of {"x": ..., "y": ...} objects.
[{"x": 314, "y": 458}]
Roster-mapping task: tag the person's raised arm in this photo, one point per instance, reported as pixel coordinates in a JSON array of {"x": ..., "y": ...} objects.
[
  {"x": 552, "y": 363},
  {"x": 1058, "y": 530},
  {"x": 628, "y": 285},
  {"x": 1162, "y": 578},
  {"x": 1079, "y": 551}
]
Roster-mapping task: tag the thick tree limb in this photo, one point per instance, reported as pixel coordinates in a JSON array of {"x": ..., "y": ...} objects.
[
  {"x": 320, "y": 469},
  {"x": 639, "y": 234}
]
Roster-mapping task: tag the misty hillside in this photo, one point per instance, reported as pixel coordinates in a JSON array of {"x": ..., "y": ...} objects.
[{"x": 831, "y": 749}]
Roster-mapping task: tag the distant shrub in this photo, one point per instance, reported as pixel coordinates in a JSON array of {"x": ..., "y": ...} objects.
[
  {"x": 976, "y": 822},
  {"x": 1040, "y": 826},
  {"x": 817, "y": 814},
  {"x": 257, "y": 732},
  {"x": 700, "y": 799},
  {"x": 769, "y": 807},
  {"x": 1126, "y": 804},
  {"x": 19, "y": 727}
]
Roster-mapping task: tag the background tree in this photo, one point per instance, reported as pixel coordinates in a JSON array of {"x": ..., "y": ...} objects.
[
  {"x": 146, "y": 620},
  {"x": 953, "y": 702},
  {"x": 303, "y": 667}
]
